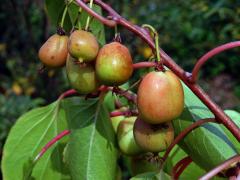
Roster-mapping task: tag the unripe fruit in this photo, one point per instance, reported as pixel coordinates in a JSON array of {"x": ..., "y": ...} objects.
[
  {"x": 114, "y": 64},
  {"x": 53, "y": 52},
  {"x": 141, "y": 165},
  {"x": 153, "y": 137},
  {"x": 160, "y": 97},
  {"x": 117, "y": 119},
  {"x": 81, "y": 77},
  {"x": 83, "y": 46},
  {"x": 126, "y": 140}
]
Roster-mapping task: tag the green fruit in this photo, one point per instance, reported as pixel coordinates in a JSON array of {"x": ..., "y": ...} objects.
[
  {"x": 83, "y": 46},
  {"x": 160, "y": 97},
  {"x": 114, "y": 64},
  {"x": 81, "y": 77},
  {"x": 140, "y": 164},
  {"x": 117, "y": 119},
  {"x": 126, "y": 140},
  {"x": 153, "y": 137},
  {"x": 53, "y": 52}
]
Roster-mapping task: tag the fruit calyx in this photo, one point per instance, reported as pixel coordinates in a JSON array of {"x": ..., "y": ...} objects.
[{"x": 61, "y": 31}]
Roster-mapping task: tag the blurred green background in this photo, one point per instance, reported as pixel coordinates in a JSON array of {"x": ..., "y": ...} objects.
[{"x": 188, "y": 29}]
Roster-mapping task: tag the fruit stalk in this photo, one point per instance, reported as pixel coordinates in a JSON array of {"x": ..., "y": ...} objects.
[{"x": 115, "y": 19}]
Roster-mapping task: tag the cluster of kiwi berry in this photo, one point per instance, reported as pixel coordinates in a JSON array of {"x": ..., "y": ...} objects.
[
  {"x": 160, "y": 97},
  {"x": 88, "y": 66}
]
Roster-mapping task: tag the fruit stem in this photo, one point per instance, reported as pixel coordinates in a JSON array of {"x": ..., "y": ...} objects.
[
  {"x": 156, "y": 40},
  {"x": 63, "y": 16},
  {"x": 50, "y": 144},
  {"x": 89, "y": 17},
  {"x": 124, "y": 113}
]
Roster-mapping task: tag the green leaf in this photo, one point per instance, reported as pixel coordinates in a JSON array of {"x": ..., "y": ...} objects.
[
  {"x": 235, "y": 116},
  {"x": 27, "y": 137},
  {"x": 152, "y": 176},
  {"x": 54, "y": 10},
  {"x": 208, "y": 145},
  {"x": 91, "y": 152},
  {"x": 192, "y": 170}
]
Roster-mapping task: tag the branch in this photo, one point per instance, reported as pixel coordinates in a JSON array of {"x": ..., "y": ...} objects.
[
  {"x": 124, "y": 113},
  {"x": 50, "y": 143},
  {"x": 166, "y": 60},
  {"x": 144, "y": 65},
  {"x": 67, "y": 93},
  {"x": 221, "y": 167},
  {"x": 180, "y": 167},
  {"x": 105, "y": 21},
  {"x": 209, "y": 55},
  {"x": 184, "y": 133}
]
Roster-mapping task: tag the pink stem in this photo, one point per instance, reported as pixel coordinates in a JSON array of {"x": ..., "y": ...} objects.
[
  {"x": 221, "y": 167},
  {"x": 50, "y": 143},
  {"x": 68, "y": 93},
  {"x": 184, "y": 133},
  {"x": 208, "y": 55},
  {"x": 105, "y": 21},
  {"x": 180, "y": 167},
  {"x": 123, "y": 113},
  {"x": 144, "y": 65}
]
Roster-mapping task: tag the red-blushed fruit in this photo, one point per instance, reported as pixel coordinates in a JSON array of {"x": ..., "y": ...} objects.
[
  {"x": 114, "y": 64},
  {"x": 160, "y": 97},
  {"x": 81, "y": 76},
  {"x": 153, "y": 137},
  {"x": 53, "y": 52},
  {"x": 125, "y": 137},
  {"x": 83, "y": 46},
  {"x": 141, "y": 164}
]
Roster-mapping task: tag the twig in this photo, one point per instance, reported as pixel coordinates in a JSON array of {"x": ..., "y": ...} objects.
[
  {"x": 50, "y": 143},
  {"x": 185, "y": 133},
  {"x": 221, "y": 167}
]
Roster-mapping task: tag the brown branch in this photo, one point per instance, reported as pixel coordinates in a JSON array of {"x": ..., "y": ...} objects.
[
  {"x": 184, "y": 133},
  {"x": 167, "y": 61},
  {"x": 221, "y": 167}
]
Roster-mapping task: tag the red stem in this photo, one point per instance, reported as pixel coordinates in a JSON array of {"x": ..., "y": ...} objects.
[
  {"x": 180, "y": 167},
  {"x": 50, "y": 143},
  {"x": 68, "y": 93},
  {"x": 221, "y": 167},
  {"x": 184, "y": 133},
  {"x": 209, "y": 55},
  {"x": 167, "y": 61},
  {"x": 105, "y": 21},
  {"x": 123, "y": 113},
  {"x": 144, "y": 65}
]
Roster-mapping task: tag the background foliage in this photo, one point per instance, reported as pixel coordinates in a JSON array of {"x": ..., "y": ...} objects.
[{"x": 187, "y": 30}]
